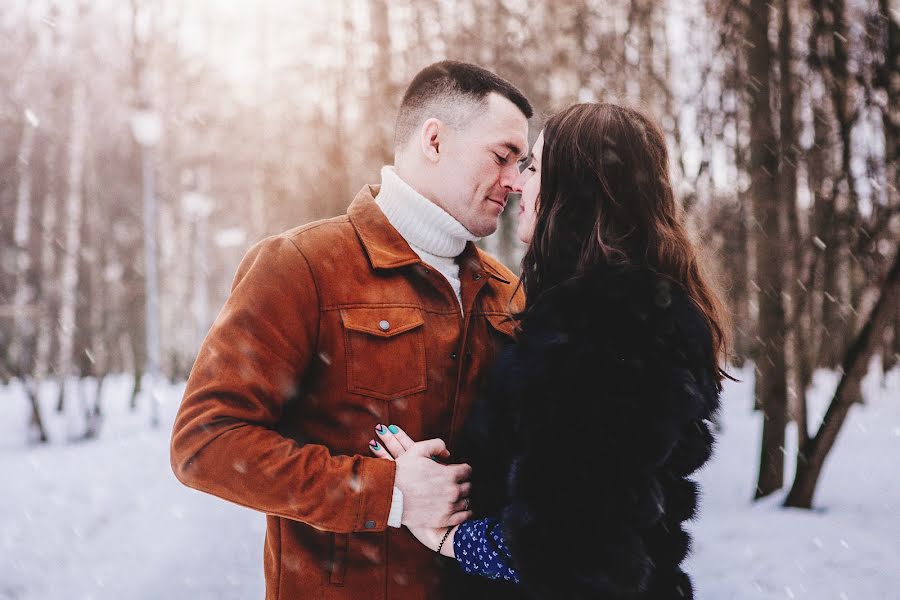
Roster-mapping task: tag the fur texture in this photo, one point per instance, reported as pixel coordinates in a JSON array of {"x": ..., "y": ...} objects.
[{"x": 595, "y": 420}]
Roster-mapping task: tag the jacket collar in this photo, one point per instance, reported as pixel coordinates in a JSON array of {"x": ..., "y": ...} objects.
[{"x": 387, "y": 249}]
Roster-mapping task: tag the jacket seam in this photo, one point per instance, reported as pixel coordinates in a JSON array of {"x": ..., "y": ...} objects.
[
  {"x": 278, "y": 576},
  {"x": 312, "y": 276},
  {"x": 315, "y": 225},
  {"x": 431, "y": 311},
  {"x": 334, "y": 307}
]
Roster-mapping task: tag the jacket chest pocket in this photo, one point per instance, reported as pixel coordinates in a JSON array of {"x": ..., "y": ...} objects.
[{"x": 385, "y": 351}]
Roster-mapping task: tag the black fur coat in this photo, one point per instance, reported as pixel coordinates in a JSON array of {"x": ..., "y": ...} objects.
[{"x": 595, "y": 420}]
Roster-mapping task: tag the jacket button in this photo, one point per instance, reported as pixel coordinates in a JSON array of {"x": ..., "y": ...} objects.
[
  {"x": 453, "y": 355},
  {"x": 370, "y": 525},
  {"x": 384, "y": 325}
]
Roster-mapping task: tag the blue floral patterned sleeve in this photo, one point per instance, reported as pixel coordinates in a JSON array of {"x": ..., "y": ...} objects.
[{"x": 481, "y": 550}]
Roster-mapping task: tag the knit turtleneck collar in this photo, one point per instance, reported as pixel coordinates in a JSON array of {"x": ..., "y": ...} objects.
[{"x": 421, "y": 222}]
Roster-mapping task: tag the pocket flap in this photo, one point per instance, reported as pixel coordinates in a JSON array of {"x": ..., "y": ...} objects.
[
  {"x": 382, "y": 321},
  {"x": 503, "y": 323}
]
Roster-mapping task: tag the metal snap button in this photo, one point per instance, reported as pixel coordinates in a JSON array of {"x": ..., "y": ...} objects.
[
  {"x": 384, "y": 325},
  {"x": 370, "y": 525}
]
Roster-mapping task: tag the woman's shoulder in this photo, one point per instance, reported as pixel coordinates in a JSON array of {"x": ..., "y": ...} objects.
[
  {"x": 624, "y": 330},
  {"x": 628, "y": 300}
]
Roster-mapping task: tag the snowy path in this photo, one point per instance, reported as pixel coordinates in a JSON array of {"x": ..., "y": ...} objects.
[{"x": 106, "y": 519}]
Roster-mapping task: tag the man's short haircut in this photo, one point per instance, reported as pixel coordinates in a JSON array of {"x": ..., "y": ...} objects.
[{"x": 453, "y": 92}]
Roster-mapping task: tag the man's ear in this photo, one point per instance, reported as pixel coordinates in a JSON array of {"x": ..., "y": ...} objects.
[{"x": 430, "y": 139}]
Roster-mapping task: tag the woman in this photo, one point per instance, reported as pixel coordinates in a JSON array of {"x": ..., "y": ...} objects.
[{"x": 600, "y": 412}]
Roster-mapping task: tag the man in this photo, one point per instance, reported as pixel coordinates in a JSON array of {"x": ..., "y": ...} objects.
[{"x": 386, "y": 315}]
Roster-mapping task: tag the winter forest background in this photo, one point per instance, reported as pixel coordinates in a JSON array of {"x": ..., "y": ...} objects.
[{"x": 146, "y": 144}]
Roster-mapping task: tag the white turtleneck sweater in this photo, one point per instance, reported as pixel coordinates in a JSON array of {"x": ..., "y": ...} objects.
[
  {"x": 435, "y": 236},
  {"x": 429, "y": 230}
]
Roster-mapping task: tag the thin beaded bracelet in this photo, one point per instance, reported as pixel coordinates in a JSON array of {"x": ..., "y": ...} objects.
[{"x": 444, "y": 539}]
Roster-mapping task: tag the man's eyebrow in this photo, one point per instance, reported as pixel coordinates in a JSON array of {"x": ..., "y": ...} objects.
[{"x": 515, "y": 150}]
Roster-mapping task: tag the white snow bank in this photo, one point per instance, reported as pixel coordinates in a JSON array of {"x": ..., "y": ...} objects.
[{"x": 106, "y": 519}]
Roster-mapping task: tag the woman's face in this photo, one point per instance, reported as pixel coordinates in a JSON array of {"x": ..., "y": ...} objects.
[{"x": 529, "y": 182}]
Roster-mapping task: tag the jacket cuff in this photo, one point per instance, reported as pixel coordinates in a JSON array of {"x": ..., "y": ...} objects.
[
  {"x": 377, "y": 482},
  {"x": 396, "y": 514}
]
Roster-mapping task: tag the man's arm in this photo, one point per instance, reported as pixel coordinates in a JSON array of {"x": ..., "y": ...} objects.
[{"x": 224, "y": 440}]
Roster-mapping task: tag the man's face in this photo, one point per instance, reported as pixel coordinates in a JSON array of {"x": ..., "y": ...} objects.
[{"x": 479, "y": 165}]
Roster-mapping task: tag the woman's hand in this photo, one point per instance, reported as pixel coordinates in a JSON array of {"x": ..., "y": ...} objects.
[
  {"x": 395, "y": 443},
  {"x": 434, "y": 494}
]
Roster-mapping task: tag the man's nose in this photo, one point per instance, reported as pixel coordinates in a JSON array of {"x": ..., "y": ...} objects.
[{"x": 511, "y": 179}]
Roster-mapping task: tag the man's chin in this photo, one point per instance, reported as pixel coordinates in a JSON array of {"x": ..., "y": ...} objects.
[{"x": 483, "y": 230}]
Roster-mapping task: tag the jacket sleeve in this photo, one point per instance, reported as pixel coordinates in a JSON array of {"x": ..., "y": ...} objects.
[{"x": 225, "y": 441}]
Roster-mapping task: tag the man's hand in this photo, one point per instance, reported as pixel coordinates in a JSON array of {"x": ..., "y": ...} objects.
[{"x": 434, "y": 495}]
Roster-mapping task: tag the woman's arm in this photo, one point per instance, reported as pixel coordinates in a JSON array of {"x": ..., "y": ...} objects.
[{"x": 480, "y": 549}]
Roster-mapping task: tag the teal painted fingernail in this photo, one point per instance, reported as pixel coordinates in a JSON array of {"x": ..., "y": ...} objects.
[
  {"x": 379, "y": 428},
  {"x": 374, "y": 445},
  {"x": 394, "y": 429}
]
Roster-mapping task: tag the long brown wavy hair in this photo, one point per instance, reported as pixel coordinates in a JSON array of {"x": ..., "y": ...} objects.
[{"x": 606, "y": 198}]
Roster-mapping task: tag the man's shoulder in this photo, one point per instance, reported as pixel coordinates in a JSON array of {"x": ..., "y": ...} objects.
[
  {"x": 317, "y": 231},
  {"x": 325, "y": 236},
  {"x": 313, "y": 240}
]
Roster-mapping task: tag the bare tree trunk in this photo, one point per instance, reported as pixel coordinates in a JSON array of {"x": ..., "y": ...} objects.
[
  {"x": 138, "y": 372},
  {"x": 342, "y": 82},
  {"x": 381, "y": 88},
  {"x": 891, "y": 357},
  {"x": 829, "y": 56},
  {"x": 261, "y": 170},
  {"x": 93, "y": 413},
  {"x": 37, "y": 432},
  {"x": 46, "y": 327},
  {"x": 21, "y": 236},
  {"x": 886, "y": 79},
  {"x": 819, "y": 170},
  {"x": 72, "y": 244},
  {"x": 100, "y": 306},
  {"x": 833, "y": 322},
  {"x": 813, "y": 454},
  {"x": 743, "y": 245},
  {"x": 847, "y": 204},
  {"x": 787, "y": 192},
  {"x": 771, "y": 382}
]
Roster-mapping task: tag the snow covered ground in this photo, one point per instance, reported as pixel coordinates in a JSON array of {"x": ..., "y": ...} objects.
[
  {"x": 106, "y": 519},
  {"x": 848, "y": 548}
]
